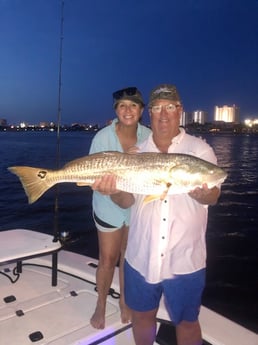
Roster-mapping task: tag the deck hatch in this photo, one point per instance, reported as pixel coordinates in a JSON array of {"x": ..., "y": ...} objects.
[
  {"x": 9, "y": 299},
  {"x": 36, "y": 336}
]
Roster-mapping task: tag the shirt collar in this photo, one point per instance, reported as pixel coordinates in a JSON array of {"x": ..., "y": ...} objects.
[{"x": 179, "y": 137}]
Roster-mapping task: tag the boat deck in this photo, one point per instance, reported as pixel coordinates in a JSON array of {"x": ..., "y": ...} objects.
[
  {"x": 31, "y": 310},
  {"x": 34, "y": 311}
]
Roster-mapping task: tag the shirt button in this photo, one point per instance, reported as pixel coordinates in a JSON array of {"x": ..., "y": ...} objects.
[
  {"x": 163, "y": 237},
  {"x": 164, "y": 219}
]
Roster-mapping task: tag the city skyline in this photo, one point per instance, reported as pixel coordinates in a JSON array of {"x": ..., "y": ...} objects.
[
  {"x": 207, "y": 49},
  {"x": 226, "y": 114}
]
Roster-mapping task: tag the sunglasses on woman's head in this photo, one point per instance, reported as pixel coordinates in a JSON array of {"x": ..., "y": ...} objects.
[{"x": 129, "y": 91}]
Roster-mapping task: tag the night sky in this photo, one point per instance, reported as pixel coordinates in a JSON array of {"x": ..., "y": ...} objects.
[{"x": 208, "y": 48}]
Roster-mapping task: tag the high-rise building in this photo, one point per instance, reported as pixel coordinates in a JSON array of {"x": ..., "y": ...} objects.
[
  {"x": 199, "y": 116},
  {"x": 227, "y": 113},
  {"x": 185, "y": 119}
]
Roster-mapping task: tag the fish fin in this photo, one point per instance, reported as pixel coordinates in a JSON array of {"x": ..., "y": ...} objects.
[
  {"x": 165, "y": 193},
  {"x": 150, "y": 198},
  {"x": 33, "y": 181},
  {"x": 83, "y": 184}
]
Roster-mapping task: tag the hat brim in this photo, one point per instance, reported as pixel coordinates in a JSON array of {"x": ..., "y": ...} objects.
[{"x": 129, "y": 98}]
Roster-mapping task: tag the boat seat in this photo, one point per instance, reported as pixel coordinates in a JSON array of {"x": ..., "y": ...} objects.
[{"x": 17, "y": 245}]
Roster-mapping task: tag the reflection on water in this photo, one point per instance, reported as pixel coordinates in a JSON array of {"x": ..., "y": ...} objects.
[
  {"x": 232, "y": 234},
  {"x": 239, "y": 155}
]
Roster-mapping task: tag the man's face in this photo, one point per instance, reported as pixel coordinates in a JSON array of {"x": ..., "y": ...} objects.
[{"x": 165, "y": 117}]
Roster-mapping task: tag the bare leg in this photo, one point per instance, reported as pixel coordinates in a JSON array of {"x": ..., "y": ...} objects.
[
  {"x": 125, "y": 310},
  {"x": 144, "y": 327},
  {"x": 189, "y": 333},
  {"x": 109, "y": 251}
]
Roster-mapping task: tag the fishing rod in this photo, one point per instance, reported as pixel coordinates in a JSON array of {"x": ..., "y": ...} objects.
[
  {"x": 59, "y": 113},
  {"x": 65, "y": 237}
]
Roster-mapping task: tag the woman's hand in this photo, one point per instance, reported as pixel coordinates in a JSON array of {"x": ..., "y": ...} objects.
[{"x": 105, "y": 185}]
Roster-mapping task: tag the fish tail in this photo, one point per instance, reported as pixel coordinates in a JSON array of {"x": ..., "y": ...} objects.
[{"x": 33, "y": 180}]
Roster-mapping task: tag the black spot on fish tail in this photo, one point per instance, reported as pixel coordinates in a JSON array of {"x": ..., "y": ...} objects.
[{"x": 42, "y": 174}]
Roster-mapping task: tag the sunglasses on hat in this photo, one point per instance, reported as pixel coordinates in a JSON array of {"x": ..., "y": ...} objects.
[{"x": 129, "y": 91}]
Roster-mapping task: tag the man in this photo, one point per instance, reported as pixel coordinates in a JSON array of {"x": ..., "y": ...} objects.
[{"x": 166, "y": 250}]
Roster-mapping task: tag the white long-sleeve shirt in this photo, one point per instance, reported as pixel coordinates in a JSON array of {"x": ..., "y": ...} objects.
[{"x": 167, "y": 237}]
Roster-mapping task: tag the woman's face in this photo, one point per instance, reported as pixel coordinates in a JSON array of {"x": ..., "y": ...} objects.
[{"x": 128, "y": 112}]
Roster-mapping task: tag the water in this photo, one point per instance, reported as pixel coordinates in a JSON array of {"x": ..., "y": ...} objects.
[
  {"x": 232, "y": 234},
  {"x": 40, "y": 149}
]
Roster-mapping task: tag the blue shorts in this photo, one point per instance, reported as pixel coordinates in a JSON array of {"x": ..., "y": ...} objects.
[{"x": 182, "y": 294}]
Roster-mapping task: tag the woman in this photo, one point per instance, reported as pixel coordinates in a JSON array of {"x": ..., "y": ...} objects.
[{"x": 111, "y": 221}]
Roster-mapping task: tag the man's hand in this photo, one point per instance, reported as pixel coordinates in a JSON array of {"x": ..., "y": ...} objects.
[{"x": 205, "y": 195}]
